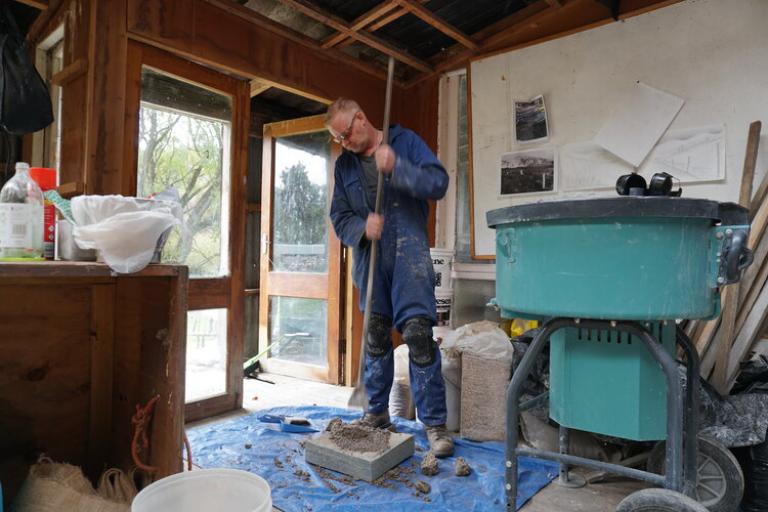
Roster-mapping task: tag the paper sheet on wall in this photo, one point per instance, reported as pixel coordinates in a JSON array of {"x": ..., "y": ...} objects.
[
  {"x": 638, "y": 123},
  {"x": 691, "y": 155}
]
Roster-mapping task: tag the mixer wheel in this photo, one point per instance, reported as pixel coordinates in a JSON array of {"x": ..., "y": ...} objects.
[
  {"x": 720, "y": 479},
  {"x": 659, "y": 500}
]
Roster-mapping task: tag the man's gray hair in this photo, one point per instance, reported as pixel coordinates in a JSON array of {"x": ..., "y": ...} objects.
[{"x": 340, "y": 105}]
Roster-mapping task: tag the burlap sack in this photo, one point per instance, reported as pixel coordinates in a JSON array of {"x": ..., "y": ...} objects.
[
  {"x": 55, "y": 487},
  {"x": 117, "y": 486}
]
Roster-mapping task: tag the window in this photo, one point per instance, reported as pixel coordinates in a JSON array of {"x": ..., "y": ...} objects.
[
  {"x": 46, "y": 144},
  {"x": 184, "y": 139}
]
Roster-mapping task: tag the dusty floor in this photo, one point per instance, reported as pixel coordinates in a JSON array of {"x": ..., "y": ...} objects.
[{"x": 286, "y": 391}]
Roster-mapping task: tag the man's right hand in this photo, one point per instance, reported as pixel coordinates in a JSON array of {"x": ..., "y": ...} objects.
[{"x": 373, "y": 226}]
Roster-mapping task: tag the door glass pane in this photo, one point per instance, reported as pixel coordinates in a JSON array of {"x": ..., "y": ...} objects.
[
  {"x": 298, "y": 329},
  {"x": 300, "y": 216},
  {"x": 184, "y": 143},
  {"x": 206, "y": 354}
]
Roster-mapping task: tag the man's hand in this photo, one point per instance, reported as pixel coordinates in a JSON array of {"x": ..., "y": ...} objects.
[
  {"x": 385, "y": 159},
  {"x": 373, "y": 226}
]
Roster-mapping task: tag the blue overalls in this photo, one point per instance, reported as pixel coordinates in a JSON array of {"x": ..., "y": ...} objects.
[{"x": 404, "y": 280}]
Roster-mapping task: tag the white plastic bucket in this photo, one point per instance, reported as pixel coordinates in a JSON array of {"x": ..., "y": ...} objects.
[
  {"x": 444, "y": 301},
  {"x": 206, "y": 490},
  {"x": 441, "y": 261}
]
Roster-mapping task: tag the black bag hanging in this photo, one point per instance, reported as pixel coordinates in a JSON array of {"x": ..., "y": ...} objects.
[{"x": 25, "y": 104}]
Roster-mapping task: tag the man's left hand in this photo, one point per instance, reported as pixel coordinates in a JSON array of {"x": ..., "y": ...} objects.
[{"x": 385, "y": 159}]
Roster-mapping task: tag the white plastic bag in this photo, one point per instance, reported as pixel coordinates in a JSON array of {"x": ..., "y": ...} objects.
[
  {"x": 484, "y": 339},
  {"x": 125, "y": 230}
]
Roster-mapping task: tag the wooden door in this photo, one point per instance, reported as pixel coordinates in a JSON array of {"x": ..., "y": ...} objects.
[
  {"x": 301, "y": 301},
  {"x": 189, "y": 127}
]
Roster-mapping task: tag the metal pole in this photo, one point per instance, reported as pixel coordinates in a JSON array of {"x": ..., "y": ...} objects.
[{"x": 359, "y": 397}]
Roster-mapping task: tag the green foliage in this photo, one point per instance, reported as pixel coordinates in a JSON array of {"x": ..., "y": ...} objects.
[
  {"x": 299, "y": 208},
  {"x": 186, "y": 152}
]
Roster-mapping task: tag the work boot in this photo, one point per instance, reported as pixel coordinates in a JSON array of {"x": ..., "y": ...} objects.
[
  {"x": 440, "y": 441},
  {"x": 372, "y": 420}
]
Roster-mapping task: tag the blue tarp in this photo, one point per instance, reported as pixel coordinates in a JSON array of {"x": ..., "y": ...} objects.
[{"x": 246, "y": 443}]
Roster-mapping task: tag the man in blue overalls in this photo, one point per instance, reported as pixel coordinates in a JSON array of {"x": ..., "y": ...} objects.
[{"x": 404, "y": 281}]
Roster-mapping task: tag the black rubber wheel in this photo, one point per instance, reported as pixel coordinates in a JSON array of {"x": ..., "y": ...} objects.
[
  {"x": 659, "y": 500},
  {"x": 721, "y": 480}
]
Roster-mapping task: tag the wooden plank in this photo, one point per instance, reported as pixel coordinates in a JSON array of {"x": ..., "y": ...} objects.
[
  {"x": 446, "y": 28},
  {"x": 72, "y": 189},
  {"x": 360, "y": 23},
  {"x": 386, "y": 20},
  {"x": 759, "y": 196},
  {"x": 750, "y": 161},
  {"x": 70, "y": 72},
  {"x": 754, "y": 283},
  {"x": 297, "y": 284},
  {"x": 102, "y": 360},
  {"x": 258, "y": 87},
  {"x": 724, "y": 337},
  {"x": 749, "y": 333},
  {"x": 337, "y": 23},
  {"x": 294, "y": 126},
  {"x": 209, "y": 293},
  {"x": 105, "y": 105}
]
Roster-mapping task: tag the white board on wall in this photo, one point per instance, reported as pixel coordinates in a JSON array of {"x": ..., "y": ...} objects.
[{"x": 711, "y": 53}]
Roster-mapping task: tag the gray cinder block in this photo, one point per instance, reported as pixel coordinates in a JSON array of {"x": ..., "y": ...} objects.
[{"x": 368, "y": 466}]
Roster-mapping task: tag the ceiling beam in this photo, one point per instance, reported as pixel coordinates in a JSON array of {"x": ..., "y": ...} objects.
[
  {"x": 446, "y": 28},
  {"x": 37, "y": 4},
  {"x": 273, "y": 26},
  {"x": 360, "y": 23},
  {"x": 386, "y": 20},
  {"x": 341, "y": 25},
  {"x": 258, "y": 87}
]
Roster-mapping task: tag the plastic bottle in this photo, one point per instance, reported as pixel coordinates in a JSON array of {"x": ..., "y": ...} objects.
[
  {"x": 46, "y": 178},
  {"x": 21, "y": 217}
]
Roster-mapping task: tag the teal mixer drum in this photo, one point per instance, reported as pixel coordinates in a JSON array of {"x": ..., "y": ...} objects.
[
  {"x": 631, "y": 258},
  {"x": 648, "y": 259}
]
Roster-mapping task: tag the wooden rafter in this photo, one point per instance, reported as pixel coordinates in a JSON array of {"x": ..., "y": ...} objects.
[
  {"x": 446, "y": 28},
  {"x": 386, "y": 20},
  {"x": 363, "y": 36},
  {"x": 360, "y": 23},
  {"x": 37, "y": 4}
]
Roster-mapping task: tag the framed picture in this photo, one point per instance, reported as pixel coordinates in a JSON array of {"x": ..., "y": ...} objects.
[
  {"x": 530, "y": 171},
  {"x": 531, "y": 120}
]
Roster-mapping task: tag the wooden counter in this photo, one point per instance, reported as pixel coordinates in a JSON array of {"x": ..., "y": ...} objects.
[{"x": 80, "y": 347}]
